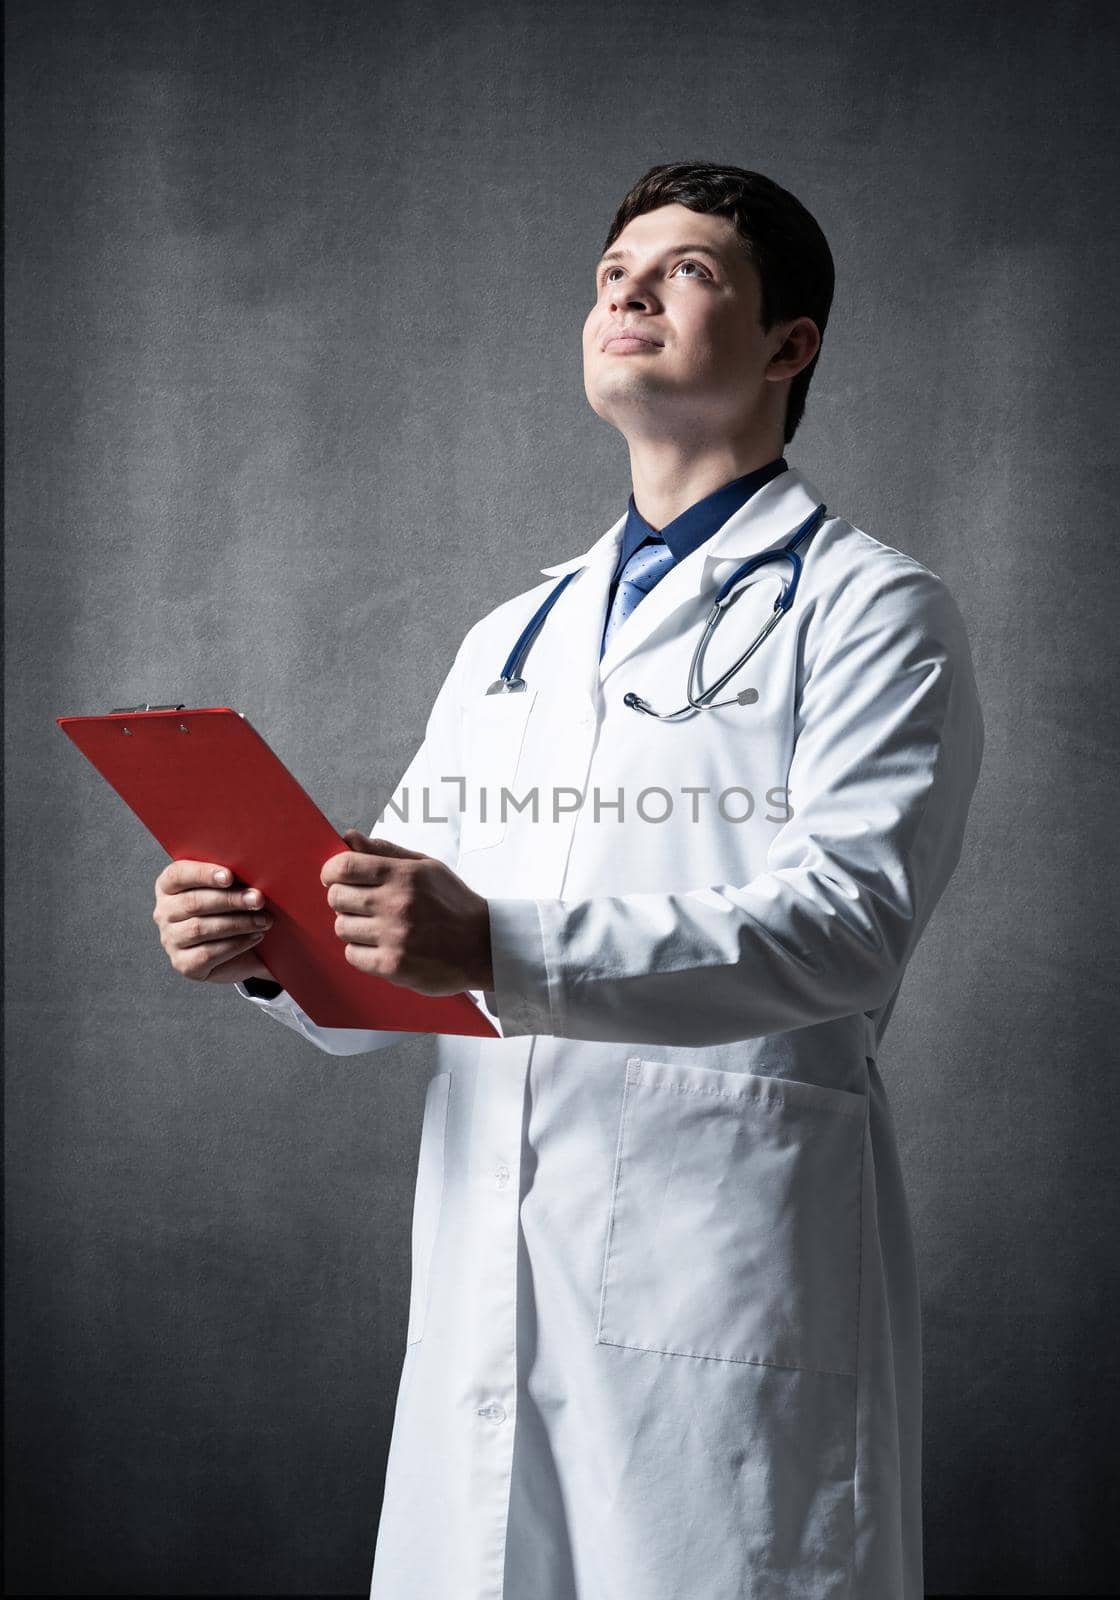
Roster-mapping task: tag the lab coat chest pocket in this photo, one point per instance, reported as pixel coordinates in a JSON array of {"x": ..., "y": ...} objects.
[
  {"x": 428, "y": 1201},
  {"x": 493, "y": 735},
  {"x": 734, "y": 1225}
]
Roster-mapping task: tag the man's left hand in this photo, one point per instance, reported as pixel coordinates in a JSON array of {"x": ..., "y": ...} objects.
[{"x": 407, "y": 917}]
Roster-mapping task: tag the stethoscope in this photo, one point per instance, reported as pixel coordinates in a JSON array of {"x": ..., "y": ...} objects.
[{"x": 510, "y": 680}]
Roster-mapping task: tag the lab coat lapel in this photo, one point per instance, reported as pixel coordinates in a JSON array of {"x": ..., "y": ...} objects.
[
  {"x": 766, "y": 520},
  {"x": 585, "y": 606}
]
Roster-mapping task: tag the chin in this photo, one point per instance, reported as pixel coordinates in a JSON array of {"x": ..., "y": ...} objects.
[{"x": 628, "y": 388}]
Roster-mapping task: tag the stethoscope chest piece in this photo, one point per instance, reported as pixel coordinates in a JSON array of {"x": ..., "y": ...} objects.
[
  {"x": 745, "y": 697},
  {"x": 506, "y": 686}
]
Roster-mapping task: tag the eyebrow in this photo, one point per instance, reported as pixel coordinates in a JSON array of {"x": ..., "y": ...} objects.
[{"x": 674, "y": 250}]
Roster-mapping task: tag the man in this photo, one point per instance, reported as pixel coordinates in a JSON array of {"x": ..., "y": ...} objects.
[{"x": 663, "y": 1336}]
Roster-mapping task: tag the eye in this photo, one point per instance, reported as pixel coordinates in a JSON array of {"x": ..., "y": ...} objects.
[{"x": 687, "y": 261}]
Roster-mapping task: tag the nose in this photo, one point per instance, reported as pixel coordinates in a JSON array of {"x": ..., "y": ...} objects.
[
  {"x": 632, "y": 290},
  {"x": 631, "y": 298}
]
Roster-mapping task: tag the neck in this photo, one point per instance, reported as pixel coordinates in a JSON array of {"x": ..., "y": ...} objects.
[{"x": 669, "y": 475}]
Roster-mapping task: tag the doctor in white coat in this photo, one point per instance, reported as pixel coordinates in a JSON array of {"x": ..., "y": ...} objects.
[{"x": 663, "y": 1337}]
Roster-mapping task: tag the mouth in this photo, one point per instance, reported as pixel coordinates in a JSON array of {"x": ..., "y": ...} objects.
[{"x": 623, "y": 342}]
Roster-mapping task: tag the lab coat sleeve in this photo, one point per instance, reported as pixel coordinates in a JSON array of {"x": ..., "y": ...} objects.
[
  {"x": 888, "y": 745},
  {"x": 422, "y": 814}
]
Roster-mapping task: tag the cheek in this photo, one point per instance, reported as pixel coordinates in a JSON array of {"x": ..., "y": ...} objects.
[
  {"x": 699, "y": 343},
  {"x": 718, "y": 343}
]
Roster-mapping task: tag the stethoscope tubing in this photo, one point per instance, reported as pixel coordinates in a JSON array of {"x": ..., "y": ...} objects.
[
  {"x": 728, "y": 592},
  {"x": 510, "y": 679}
]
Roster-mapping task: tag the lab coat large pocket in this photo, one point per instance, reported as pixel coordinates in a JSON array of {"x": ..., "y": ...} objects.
[
  {"x": 734, "y": 1223},
  {"x": 428, "y": 1201},
  {"x": 493, "y": 733}
]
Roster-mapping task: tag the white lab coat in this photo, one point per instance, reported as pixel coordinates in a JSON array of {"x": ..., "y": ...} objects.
[{"x": 663, "y": 1337}]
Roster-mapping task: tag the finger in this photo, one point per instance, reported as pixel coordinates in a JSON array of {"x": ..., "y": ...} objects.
[
  {"x": 375, "y": 962},
  {"x": 204, "y": 930},
  {"x": 200, "y": 961},
  {"x": 359, "y": 930},
  {"x": 358, "y": 900},
  {"x": 236, "y": 968},
  {"x": 334, "y": 868},
  {"x": 212, "y": 902},
  {"x": 180, "y": 875},
  {"x": 391, "y": 963},
  {"x": 349, "y": 867}
]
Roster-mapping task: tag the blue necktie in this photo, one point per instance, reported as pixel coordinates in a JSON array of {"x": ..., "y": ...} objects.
[{"x": 649, "y": 562}]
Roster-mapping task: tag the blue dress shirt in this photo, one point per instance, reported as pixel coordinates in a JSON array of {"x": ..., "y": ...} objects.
[{"x": 694, "y": 525}]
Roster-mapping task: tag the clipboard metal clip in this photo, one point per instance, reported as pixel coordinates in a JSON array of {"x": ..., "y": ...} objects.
[{"x": 117, "y": 710}]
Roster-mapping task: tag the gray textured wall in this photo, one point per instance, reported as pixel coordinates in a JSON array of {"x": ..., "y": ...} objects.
[{"x": 294, "y": 299}]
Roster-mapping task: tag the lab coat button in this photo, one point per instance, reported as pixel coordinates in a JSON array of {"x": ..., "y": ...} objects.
[
  {"x": 501, "y": 1175},
  {"x": 492, "y": 1412}
]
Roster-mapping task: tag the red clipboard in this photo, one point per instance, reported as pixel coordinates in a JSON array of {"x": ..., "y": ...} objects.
[{"x": 208, "y": 788}]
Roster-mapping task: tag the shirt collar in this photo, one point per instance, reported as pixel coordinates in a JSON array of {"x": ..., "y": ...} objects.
[
  {"x": 699, "y": 521},
  {"x": 767, "y": 518}
]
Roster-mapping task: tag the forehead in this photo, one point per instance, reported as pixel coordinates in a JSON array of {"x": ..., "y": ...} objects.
[{"x": 670, "y": 226}]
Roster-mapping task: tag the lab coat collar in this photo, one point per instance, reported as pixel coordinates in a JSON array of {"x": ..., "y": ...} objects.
[{"x": 768, "y": 518}]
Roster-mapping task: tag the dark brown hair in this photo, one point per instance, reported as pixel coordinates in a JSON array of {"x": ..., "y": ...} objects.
[{"x": 782, "y": 240}]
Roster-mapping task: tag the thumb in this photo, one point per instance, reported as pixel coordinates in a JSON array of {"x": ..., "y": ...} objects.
[{"x": 361, "y": 843}]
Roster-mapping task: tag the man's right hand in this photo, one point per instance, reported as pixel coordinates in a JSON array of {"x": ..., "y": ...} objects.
[{"x": 208, "y": 931}]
